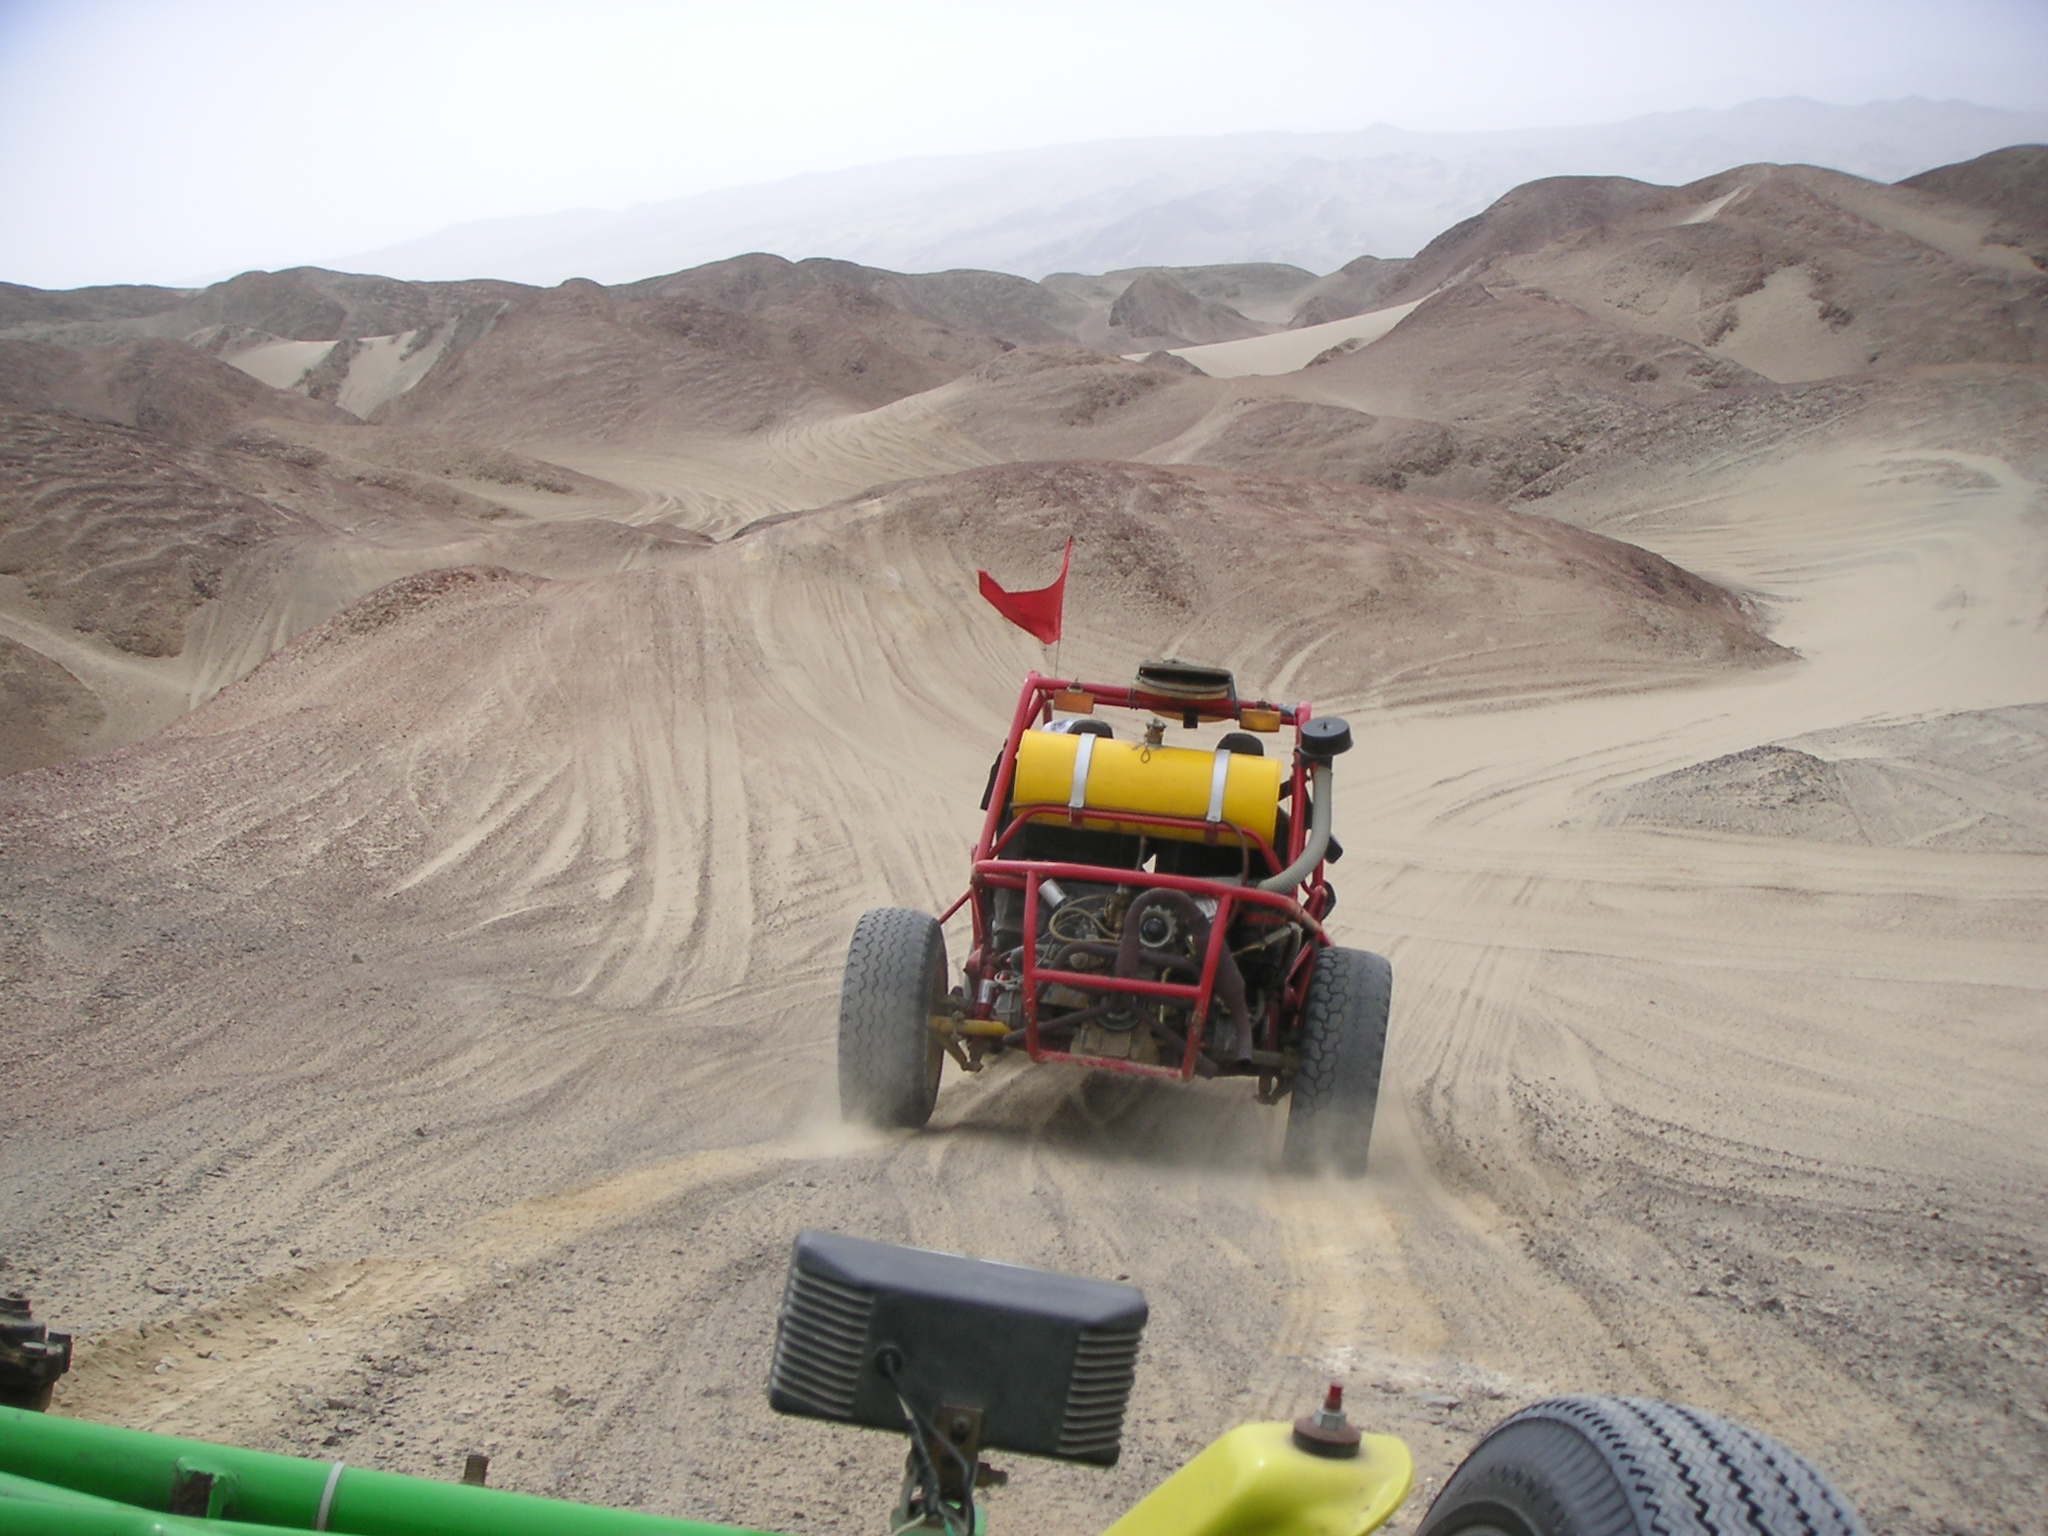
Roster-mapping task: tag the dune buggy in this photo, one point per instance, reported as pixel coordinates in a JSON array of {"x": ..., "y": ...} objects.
[{"x": 1138, "y": 908}]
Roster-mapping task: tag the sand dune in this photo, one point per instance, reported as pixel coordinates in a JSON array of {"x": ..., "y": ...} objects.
[
  {"x": 1296, "y": 349},
  {"x": 1799, "y": 274},
  {"x": 1530, "y": 217},
  {"x": 171, "y": 522},
  {"x": 2007, "y": 183},
  {"x": 52, "y": 716},
  {"x": 1519, "y": 360},
  {"x": 578, "y": 363},
  {"x": 1976, "y": 781},
  {"x": 303, "y": 304},
  {"x": 986, "y": 303},
  {"x": 1268, "y": 292},
  {"x": 1337, "y": 443},
  {"x": 1352, "y": 289},
  {"x": 431, "y": 1022},
  {"x": 1156, "y": 313}
]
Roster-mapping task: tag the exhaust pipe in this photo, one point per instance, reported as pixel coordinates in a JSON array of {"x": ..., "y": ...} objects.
[{"x": 1321, "y": 740}]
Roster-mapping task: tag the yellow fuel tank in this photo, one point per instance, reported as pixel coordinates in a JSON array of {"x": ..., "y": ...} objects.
[{"x": 1093, "y": 773}]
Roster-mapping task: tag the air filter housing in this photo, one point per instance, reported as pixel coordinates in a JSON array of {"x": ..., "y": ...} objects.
[{"x": 1047, "y": 1358}]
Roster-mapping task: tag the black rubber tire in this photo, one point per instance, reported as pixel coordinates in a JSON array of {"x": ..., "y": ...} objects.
[
  {"x": 1607, "y": 1466},
  {"x": 1337, "y": 1083},
  {"x": 889, "y": 1059}
]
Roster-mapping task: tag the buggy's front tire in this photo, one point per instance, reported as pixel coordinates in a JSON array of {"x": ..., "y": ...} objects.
[
  {"x": 889, "y": 1058},
  {"x": 1604, "y": 1466},
  {"x": 1337, "y": 1079}
]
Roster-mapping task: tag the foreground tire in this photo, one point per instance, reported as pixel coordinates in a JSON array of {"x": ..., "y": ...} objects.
[
  {"x": 1337, "y": 1084},
  {"x": 1605, "y": 1466},
  {"x": 889, "y": 1059}
]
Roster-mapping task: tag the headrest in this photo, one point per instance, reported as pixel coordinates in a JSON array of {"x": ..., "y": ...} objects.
[{"x": 1082, "y": 725}]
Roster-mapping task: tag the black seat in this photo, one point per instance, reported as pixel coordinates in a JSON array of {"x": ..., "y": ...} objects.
[
  {"x": 1220, "y": 860},
  {"x": 1053, "y": 841}
]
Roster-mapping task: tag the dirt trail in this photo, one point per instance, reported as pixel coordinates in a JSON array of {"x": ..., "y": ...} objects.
[{"x": 464, "y": 1091}]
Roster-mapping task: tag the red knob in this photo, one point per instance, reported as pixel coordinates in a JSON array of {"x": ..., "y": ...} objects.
[{"x": 1327, "y": 1432}]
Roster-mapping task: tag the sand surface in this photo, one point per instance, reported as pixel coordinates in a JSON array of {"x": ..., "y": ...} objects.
[
  {"x": 428, "y": 1033},
  {"x": 1287, "y": 351}
]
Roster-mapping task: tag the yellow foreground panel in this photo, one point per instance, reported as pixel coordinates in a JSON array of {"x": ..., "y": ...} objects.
[{"x": 1254, "y": 1481}]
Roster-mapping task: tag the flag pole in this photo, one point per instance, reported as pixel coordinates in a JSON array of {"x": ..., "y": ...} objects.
[{"x": 1061, "y": 639}]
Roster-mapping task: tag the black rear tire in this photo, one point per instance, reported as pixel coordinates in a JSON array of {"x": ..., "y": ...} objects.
[
  {"x": 889, "y": 1059},
  {"x": 1337, "y": 1082},
  {"x": 1606, "y": 1466}
]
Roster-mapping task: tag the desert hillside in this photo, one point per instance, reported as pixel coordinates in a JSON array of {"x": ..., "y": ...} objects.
[{"x": 451, "y": 730}]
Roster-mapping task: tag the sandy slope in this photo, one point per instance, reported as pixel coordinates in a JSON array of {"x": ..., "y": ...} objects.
[
  {"x": 428, "y": 1038},
  {"x": 455, "y": 1071},
  {"x": 1289, "y": 350}
]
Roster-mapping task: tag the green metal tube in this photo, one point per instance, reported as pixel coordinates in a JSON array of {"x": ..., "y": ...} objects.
[
  {"x": 20, "y": 1517},
  {"x": 132, "y": 1467},
  {"x": 30, "y": 1508},
  {"x": 28, "y": 1489}
]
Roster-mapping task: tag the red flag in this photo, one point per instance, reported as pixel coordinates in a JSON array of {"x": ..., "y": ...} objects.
[{"x": 1036, "y": 612}]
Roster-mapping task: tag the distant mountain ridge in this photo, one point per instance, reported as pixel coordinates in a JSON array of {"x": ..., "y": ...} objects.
[{"x": 1315, "y": 201}]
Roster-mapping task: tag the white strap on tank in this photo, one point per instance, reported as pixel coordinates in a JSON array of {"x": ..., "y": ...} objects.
[
  {"x": 1084, "y": 754},
  {"x": 1219, "y": 778},
  {"x": 327, "y": 1496}
]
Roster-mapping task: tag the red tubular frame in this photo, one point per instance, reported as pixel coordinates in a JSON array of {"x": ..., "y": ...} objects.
[{"x": 993, "y": 872}]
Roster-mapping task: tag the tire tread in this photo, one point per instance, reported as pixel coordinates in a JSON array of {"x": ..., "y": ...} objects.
[
  {"x": 1343, "y": 1045},
  {"x": 883, "y": 1008},
  {"x": 1681, "y": 1471}
]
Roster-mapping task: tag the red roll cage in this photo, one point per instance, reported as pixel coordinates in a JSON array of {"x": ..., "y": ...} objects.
[{"x": 993, "y": 870}]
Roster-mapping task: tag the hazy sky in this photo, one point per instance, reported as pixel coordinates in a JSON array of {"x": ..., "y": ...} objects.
[{"x": 150, "y": 140}]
